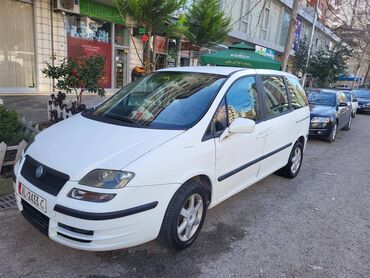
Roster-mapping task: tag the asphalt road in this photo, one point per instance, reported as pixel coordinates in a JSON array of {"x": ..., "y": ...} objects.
[{"x": 317, "y": 225}]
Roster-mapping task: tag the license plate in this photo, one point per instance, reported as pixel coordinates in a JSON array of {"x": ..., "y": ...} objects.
[{"x": 33, "y": 198}]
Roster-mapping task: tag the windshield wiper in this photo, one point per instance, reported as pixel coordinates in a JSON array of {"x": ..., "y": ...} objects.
[{"x": 122, "y": 119}]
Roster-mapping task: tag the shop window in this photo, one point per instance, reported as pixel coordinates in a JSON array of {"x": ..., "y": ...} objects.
[
  {"x": 121, "y": 35},
  {"x": 17, "y": 45},
  {"x": 84, "y": 27},
  {"x": 86, "y": 37}
]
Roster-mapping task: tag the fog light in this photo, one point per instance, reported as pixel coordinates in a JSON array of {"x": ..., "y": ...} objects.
[{"x": 90, "y": 196}]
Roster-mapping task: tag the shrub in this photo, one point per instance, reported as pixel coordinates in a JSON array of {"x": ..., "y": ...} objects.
[
  {"x": 58, "y": 101},
  {"x": 78, "y": 75},
  {"x": 11, "y": 128}
]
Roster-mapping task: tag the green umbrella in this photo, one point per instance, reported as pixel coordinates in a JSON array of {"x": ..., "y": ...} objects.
[{"x": 240, "y": 55}]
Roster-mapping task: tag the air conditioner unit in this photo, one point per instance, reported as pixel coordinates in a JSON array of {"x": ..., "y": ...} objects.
[{"x": 67, "y": 6}]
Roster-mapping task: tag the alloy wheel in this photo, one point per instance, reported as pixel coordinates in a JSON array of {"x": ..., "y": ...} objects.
[
  {"x": 190, "y": 217},
  {"x": 296, "y": 160},
  {"x": 334, "y": 135}
]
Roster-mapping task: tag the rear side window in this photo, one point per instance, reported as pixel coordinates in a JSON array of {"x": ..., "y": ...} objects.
[
  {"x": 297, "y": 94},
  {"x": 275, "y": 94}
]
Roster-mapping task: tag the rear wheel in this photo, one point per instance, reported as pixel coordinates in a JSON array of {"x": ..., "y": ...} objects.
[
  {"x": 291, "y": 170},
  {"x": 333, "y": 133},
  {"x": 184, "y": 217}
]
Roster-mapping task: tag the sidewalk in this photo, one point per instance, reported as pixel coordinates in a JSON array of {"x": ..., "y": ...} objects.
[
  {"x": 33, "y": 107},
  {"x": 6, "y": 186}
]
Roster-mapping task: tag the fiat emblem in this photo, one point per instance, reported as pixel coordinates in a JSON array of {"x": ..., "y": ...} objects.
[{"x": 39, "y": 171}]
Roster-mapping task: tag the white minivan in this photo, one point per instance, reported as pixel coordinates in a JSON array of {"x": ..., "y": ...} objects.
[{"x": 148, "y": 162}]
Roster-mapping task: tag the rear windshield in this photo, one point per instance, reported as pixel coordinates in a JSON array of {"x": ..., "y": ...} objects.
[
  {"x": 321, "y": 98},
  {"x": 166, "y": 100}
]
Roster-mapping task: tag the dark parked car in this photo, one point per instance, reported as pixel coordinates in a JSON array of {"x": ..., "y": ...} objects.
[
  {"x": 330, "y": 111},
  {"x": 363, "y": 98}
]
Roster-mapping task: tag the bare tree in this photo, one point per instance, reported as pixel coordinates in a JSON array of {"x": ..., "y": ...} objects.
[{"x": 289, "y": 40}]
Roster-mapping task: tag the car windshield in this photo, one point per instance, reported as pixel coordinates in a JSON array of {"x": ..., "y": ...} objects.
[
  {"x": 168, "y": 100},
  {"x": 361, "y": 94},
  {"x": 322, "y": 98}
]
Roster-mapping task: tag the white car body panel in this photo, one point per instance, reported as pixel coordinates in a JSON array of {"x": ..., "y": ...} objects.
[
  {"x": 162, "y": 161},
  {"x": 80, "y": 136}
]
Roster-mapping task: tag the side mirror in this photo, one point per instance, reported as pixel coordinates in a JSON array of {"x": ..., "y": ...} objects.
[
  {"x": 239, "y": 125},
  {"x": 343, "y": 104}
]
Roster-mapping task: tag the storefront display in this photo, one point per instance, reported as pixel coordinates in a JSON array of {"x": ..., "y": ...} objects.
[
  {"x": 86, "y": 37},
  {"x": 17, "y": 45}
]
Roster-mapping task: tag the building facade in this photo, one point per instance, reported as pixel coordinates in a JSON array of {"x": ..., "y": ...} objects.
[
  {"x": 32, "y": 31},
  {"x": 266, "y": 23}
]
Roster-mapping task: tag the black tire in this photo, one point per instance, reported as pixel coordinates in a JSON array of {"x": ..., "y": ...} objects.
[
  {"x": 333, "y": 134},
  {"x": 168, "y": 234},
  {"x": 287, "y": 171},
  {"x": 349, "y": 124}
]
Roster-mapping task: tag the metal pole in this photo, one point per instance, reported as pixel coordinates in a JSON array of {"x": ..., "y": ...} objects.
[{"x": 310, "y": 44}]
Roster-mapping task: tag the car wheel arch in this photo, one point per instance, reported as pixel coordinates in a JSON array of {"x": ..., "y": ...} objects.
[{"x": 206, "y": 183}]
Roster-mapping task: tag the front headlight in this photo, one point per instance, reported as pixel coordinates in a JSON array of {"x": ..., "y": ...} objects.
[
  {"x": 107, "y": 179},
  {"x": 320, "y": 120}
]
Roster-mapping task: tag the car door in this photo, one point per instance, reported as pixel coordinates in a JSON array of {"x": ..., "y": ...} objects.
[
  {"x": 344, "y": 112},
  {"x": 237, "y": 155},
  {"x": 299, "y": 104},
  {"x": 279, "y": 122}
]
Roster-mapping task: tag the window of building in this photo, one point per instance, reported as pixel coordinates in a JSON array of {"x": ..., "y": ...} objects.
[
  {"x": 87, "y": 36},
  {"x": 266, "y": 19},
  {"x": 121, "y": 35},
  {"x": 276, "y": 97},
  {"x": 242, "y": 100},
  {"x": 244, "y": 22},
  {"x": 297, "y": 94},
  {"x": 284, "y": 28},
  {"x": 84, "y": 27},
  {"x": 17, "y": 45}
]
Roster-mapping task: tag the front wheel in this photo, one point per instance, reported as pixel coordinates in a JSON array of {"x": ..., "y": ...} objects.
[
  {"x": 349, "y": 124},
  {"x": 184, "y": 217},
  {"x": 291, "y": 170},
  {"x": 333, "y": 133}
]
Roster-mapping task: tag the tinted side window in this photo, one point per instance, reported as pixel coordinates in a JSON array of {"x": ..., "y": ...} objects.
[
  {"x": 242, "y": 100},
  {"x": 276, "y": 97},
  {"x": 297, "y": 94}
]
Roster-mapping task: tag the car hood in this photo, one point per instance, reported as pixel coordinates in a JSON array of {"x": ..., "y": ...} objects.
[
  {"x": 78, "y": 145},
  {"x": 322, "y": 110}
]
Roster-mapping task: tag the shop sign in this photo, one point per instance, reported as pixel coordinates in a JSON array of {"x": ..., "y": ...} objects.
[
  {"x": 101, "y": 11},
  {"x": 78, "y": 48},
  {"x": 267, "y": 52},
  {"x": 160, "y": 44},
  {"x": 141, "y": 30},
  {"x": 297, "y": 34},
  {"x": 189, "y": 46}
]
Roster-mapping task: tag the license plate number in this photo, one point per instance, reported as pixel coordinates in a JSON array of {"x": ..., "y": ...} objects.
[{"x": 33, "y": 198}]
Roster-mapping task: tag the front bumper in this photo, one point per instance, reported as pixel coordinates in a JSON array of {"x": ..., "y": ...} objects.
[
  {"x": 363, "y": 108},
  {"x": 319, "y": 130},
  {"x": 133, "y": 219}
]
